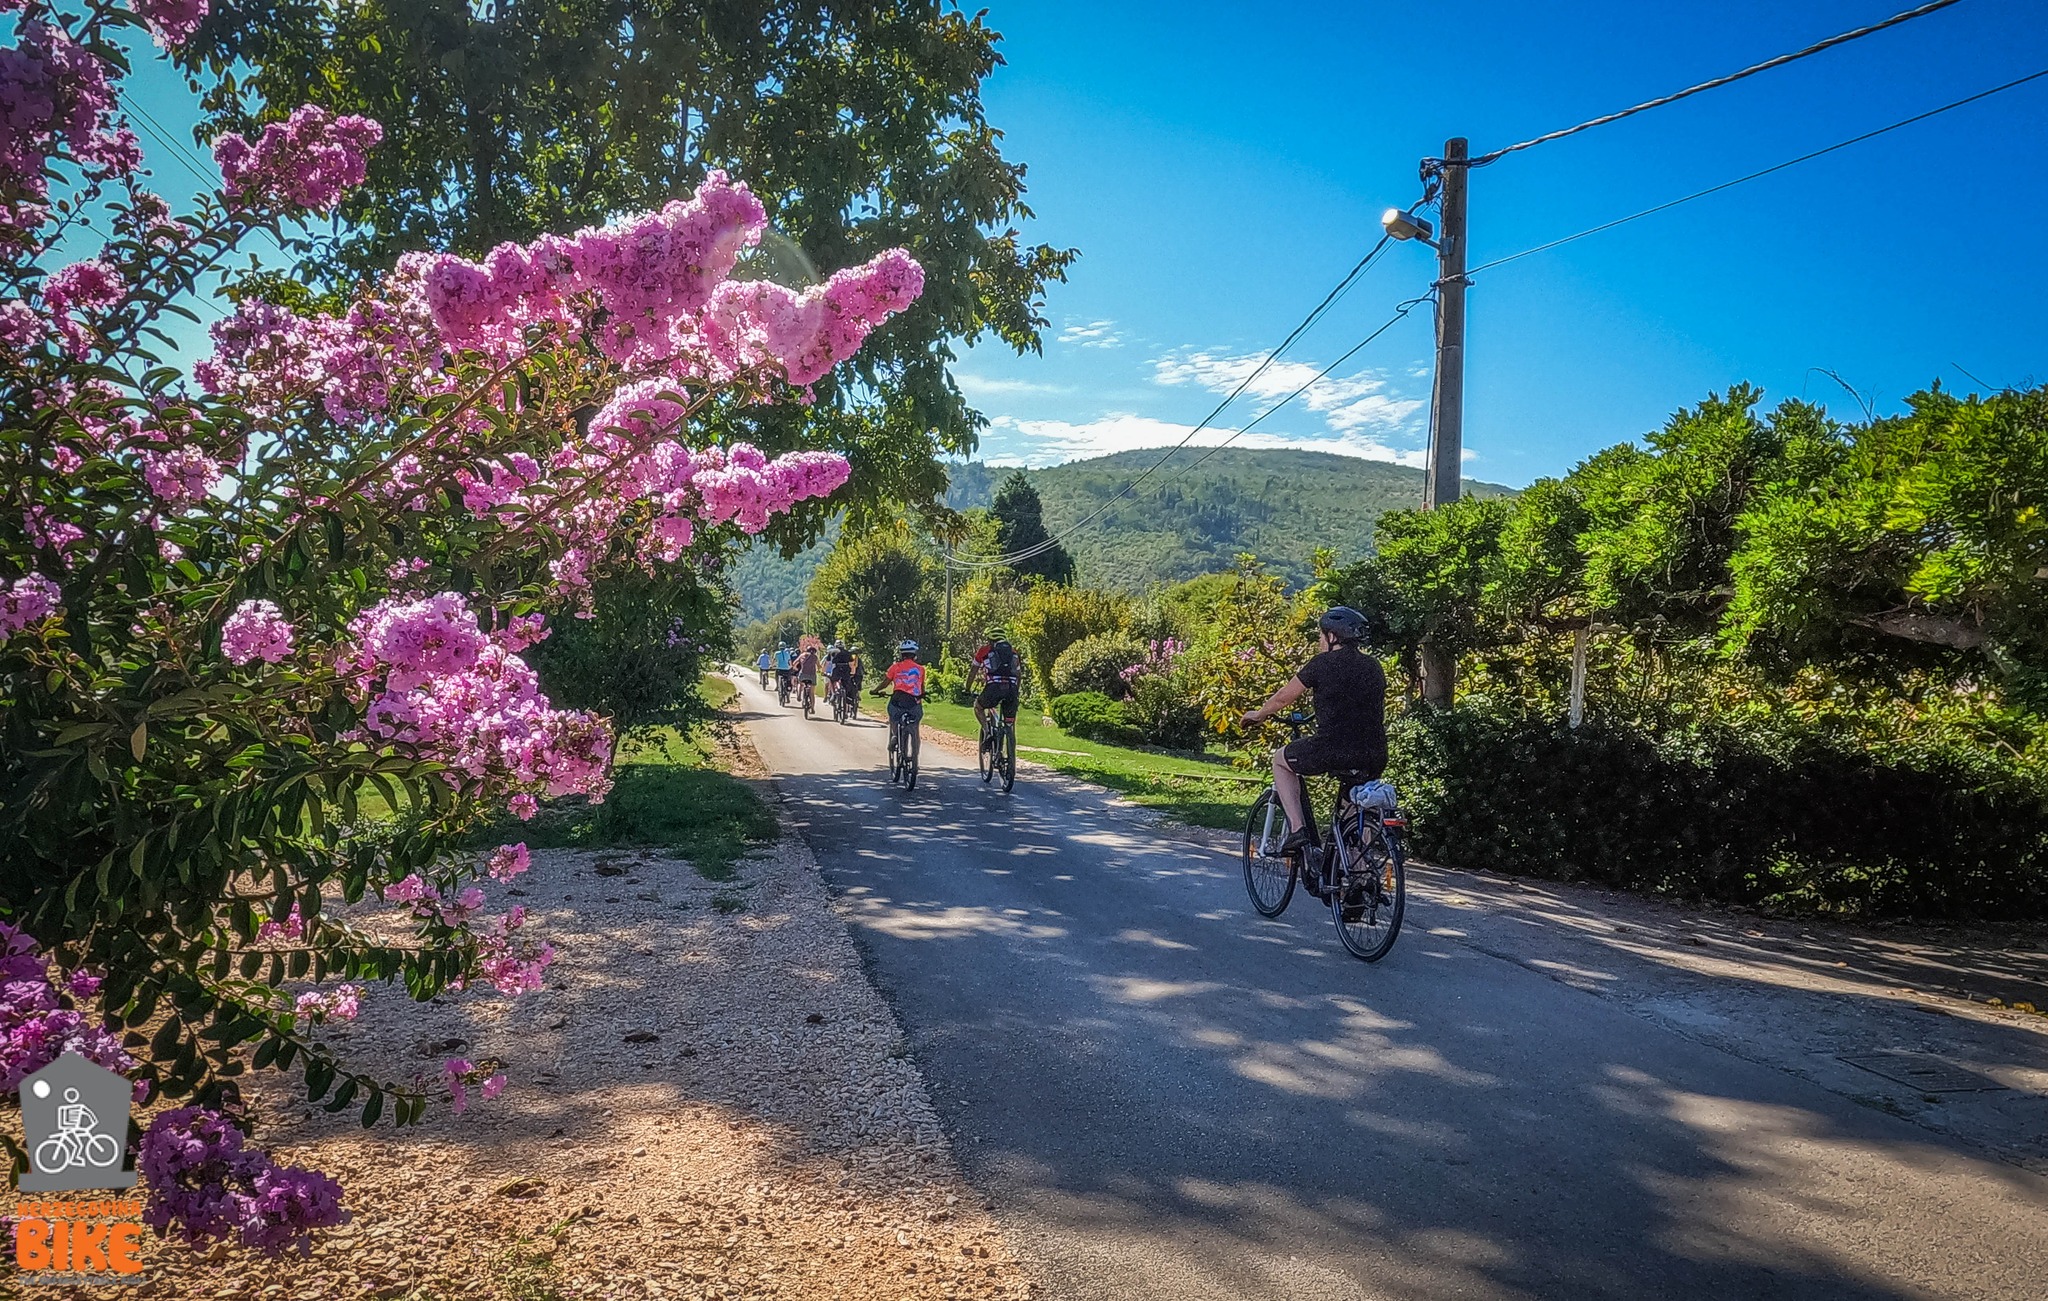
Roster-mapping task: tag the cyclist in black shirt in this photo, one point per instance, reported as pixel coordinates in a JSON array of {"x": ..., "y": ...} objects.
[
  {"x": 1350, "y": 692},
  {"x": 838, "y": 669}
]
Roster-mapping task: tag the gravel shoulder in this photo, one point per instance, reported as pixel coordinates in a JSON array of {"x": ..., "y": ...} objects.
[{"x": 709, "y": 1100}]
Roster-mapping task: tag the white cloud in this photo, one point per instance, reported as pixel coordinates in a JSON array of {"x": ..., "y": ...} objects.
[
  {"x": 1049, "y": 442},
  {"x": 977, "y": 387},
  {"x": 1346, "y": 404},
  {"x": 1094, "y": 334}
]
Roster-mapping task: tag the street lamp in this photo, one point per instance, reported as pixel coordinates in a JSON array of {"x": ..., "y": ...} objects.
[{"x": 1407, "y": 225}]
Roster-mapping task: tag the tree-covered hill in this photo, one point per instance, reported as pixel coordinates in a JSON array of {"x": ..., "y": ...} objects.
[{"x": 1182, "y": 521}]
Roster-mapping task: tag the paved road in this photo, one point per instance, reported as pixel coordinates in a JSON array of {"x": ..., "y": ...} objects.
[{"x": 1167, "y": 1097}]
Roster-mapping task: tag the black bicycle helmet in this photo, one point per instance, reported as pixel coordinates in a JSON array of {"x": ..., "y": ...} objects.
[{"x": 1343, "y": 623}]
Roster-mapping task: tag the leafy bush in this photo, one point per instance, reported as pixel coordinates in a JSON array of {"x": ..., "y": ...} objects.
[
  {"x": 949, "y": 680},
  {"x": 1165, "y": 711},
  {"x": 1096, "y": 664},
  {"x": 1095, "y": 717},
  {"x": 1056, "y": 617},
  {"x": 638, "y": 659},
  {"x": 1770, "y": 814}
]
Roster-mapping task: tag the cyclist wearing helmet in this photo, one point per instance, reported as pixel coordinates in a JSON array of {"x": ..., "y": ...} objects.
[
  {"x": 838, "y": 667},
  {"x": 1001, "y": 668},
  {"x": 903, "y": 683},
  {"x": 1350, "y": 692}
]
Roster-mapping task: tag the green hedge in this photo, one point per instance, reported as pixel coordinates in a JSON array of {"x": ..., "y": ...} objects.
[
  {"x": 1754, "y": 815},
  {"x": 1095, "y": 717}
]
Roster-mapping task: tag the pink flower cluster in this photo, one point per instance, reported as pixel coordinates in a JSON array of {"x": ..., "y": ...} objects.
[
  {"x": 179, "y": 476},
  {"x": 508, "y": 862},
  {"x": 458, "y": 1073},
  {"x": 756, "y": 323},
  {"x": 342, "y": 1003},
  {"x": 303, "y": 163},
  {"x": 291, "y": 928},
  {"x": 441, "y": 687},
  {"x": 171, "y": 22},
  {"x": 650, "y": 274},
  {"x": 30, "y": 599},
  {"x": 37, "y": 1025},
  {"x": 91, "y": 286},
  {"x": 203, "y": 1181},
  {"x": 1160, "y": 656},
  {"x": 56, "y": 97},
  {"x": 257, "y": 630}
]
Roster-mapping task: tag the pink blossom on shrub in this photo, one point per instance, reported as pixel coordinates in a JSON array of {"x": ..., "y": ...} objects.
[
  {"x": 342, "y": 1003},
  {"x": 291, "y": 928},
  {"x": 30, "y": 599},
  {"x": 305, "y": 162},
  {"x": 257, "y": 630},
  {"x": 205, "y": 1184},
  {"x": 180, "y": 475},
  {"x": 171, "y": 22},
  {"x": 20, "y": 327},
  {"x": 508, "y": 862},
  {"x": 45, "y": 530}
]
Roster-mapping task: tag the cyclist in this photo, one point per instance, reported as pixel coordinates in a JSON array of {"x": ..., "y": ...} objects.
[
  {"x": 807, "y": 673},
  {"x": 1350, "y": 692},
  {"x": 903, "y": 683},
  {"x": 764, "y": 663},
  {"x": 1000, "y": 668},
  {"x": 856, "y": 673},
  {"x": 838, "y": 667},
  {"x": 783, "y": 662}
]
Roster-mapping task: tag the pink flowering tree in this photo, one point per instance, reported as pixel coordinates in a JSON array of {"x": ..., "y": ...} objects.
[{"x": 262, "y": 621}]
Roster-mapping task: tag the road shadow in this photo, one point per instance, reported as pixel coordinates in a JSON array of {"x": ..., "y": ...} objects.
[{"x": 1144, "y": 1061}]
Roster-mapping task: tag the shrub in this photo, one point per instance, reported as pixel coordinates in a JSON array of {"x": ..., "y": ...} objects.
[
  {"x": 1758, "y": 814},
  {"x": 1055, "y": 617},
  {"x": 1095, "y": 717},
  {"x": 1166, "y": 712},
  {"x": 1096, "y": 664}
]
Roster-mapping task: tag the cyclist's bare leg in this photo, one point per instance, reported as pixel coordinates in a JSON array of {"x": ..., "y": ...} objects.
[{"x": 1287, "y": 785}]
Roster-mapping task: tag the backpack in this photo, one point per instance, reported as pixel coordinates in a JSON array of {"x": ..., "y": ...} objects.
[{"x": 1002, "y": 661}]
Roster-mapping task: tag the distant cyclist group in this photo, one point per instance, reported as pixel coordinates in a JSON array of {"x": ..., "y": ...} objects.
[
  {"x": 996, "y": 675},
  {"x": 1355, "y": 866}
]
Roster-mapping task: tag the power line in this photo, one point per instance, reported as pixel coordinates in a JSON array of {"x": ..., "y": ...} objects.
[
  {"x": 1779, "y": 167},
  {"x": 1329, "y": 300},
  {"x": 1482, "y": 160},
  {"x": 1388, "y": 324},
  {"x": 1399, "y": 312}
]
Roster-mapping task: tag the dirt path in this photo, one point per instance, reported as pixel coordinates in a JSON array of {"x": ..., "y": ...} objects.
[{"x": 709, "y": 1100}]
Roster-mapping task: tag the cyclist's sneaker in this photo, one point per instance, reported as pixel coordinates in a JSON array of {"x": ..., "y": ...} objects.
[{"x": 1297, "y": 840}]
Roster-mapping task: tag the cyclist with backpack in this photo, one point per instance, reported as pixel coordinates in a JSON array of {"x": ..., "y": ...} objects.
[
  {"x": 838, "y": 669},
  {"x": 1001, "y": 671},
  {"x": 1350, "y": 696}
]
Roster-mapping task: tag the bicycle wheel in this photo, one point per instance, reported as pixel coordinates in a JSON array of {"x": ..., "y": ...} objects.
[
  {"x": 910, "y": 763},
  {"x": 1007, "y": 739},
  {"x": 1368, "y": 904},
  {"x": 985, "y": 755},
  {"x": 895, "y": 753},
  {"x": 1268, "y": 878},
  {"x": 56, "y": 1154},
  {"x": 100, "y": 1150}
]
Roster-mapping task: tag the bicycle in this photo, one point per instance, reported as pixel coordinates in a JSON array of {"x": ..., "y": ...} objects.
[
  {"x": 841, "y": 701},
  {"x": 1357, "y": 867},
  {"x": 998, "y": 749},
  {"x": 903, "y": 747},
  {"x": 810, "y": 695},
  {"x": 782, "y": 688},
  {"x": 764, "y": 679}
]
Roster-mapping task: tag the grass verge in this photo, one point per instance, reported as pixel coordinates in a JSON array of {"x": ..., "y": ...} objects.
[
  {"x": 1202, "y": 790},
  {"x": 669, "y": 791}
]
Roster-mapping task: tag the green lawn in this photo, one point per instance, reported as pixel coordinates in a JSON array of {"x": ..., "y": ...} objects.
[
  {"x": 1206, "y": 791},
  {"x": 667, "y": 791}
]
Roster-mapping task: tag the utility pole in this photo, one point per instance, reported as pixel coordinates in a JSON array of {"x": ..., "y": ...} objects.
[{"x": 1447, "y": 437}]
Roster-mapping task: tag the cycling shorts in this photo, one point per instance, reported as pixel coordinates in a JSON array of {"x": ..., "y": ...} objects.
[
  {"x": 901, "y": 706},
  {"x": 1312, "y": 756},
  {"x": 999, "y": 693}
]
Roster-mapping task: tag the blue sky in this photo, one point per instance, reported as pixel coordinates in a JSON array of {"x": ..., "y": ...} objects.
[{"x": 1221, "y": 165}]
